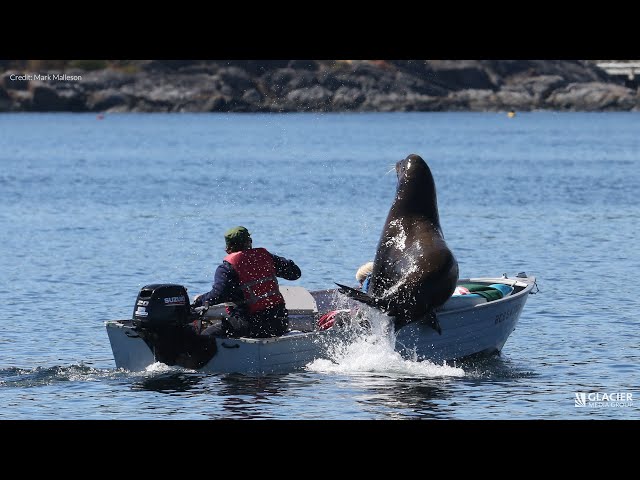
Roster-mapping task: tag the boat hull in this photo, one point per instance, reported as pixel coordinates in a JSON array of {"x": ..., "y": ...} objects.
[
  {"x": 240, "y": 355},
  {"x": 483, "y": 329}
]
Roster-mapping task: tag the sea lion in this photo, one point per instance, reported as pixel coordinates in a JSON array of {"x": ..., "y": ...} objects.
[{"x": 414, "y": 271}]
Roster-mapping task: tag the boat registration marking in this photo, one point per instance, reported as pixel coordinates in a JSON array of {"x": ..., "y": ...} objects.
[{"x": 507, "y": 314}]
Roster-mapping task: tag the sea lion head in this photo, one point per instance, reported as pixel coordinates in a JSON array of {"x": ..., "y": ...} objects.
[{"x": 416, "y": 190}]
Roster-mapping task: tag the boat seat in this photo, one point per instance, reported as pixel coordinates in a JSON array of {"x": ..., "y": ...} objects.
[{"x": 298, "y": 300}]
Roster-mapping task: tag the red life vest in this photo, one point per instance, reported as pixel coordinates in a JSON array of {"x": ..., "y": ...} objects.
[{"x": 257, "y": 275}]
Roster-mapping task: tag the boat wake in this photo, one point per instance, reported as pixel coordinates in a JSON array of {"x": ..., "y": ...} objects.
[
  {"x": 45, "y": 376},
  {"x": 373, "y": 351}
]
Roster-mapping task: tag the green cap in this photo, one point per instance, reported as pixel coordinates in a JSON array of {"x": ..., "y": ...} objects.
[{"x": 236, "y": 236}]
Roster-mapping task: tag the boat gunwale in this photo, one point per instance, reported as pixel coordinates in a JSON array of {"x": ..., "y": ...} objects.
[{"x": 527, "y": 284}]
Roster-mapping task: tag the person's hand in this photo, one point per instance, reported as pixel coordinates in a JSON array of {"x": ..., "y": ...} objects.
[{"x": 196, "y": 299}]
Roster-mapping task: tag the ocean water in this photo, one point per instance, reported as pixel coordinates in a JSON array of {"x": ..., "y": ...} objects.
[{"x": 92, "y": 210}]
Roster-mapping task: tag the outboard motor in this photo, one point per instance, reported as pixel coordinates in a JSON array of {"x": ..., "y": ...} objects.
[
  {"x": 162, "y": 316},
  {"x": 162, "y": 305}
]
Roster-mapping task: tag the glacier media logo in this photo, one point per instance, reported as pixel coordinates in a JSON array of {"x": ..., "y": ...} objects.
[{"x": 603, "y": 399}]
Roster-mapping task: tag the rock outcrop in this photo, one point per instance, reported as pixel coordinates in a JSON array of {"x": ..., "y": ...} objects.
[{"x": 317, "y": 86}]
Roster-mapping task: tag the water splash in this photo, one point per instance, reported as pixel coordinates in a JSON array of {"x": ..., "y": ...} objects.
[
  {"x": 159, "y": 367},
  {"x": 372, "y": 350},
  {"x": 398, "y": 241}
]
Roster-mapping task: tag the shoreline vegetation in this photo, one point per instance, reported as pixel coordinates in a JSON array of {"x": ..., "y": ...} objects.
[{"x": 311, "y": 86}]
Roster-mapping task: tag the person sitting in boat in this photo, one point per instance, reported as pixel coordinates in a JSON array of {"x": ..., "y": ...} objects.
[
  {"x": 363, "y": 276},
  {"x": 247, "y": 277}
]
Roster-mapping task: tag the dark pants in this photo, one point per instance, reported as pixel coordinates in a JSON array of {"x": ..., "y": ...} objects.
[{"x": 271, "y": 322}]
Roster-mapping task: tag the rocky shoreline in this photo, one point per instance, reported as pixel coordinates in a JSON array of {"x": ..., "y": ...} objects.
[{"x": 316, "y": 86}]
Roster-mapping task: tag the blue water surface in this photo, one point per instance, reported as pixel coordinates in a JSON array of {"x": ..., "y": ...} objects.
[{"x": 92, "y": 210}]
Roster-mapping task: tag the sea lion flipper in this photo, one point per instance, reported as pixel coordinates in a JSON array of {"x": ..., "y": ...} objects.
[
  {"x": 355, "y": 294},
  {"x": 362, "y": 297},
  {"x": 432, "y": 320}
]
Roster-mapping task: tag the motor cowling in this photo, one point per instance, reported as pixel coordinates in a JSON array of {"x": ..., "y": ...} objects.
[{"x": 162, "y": 305}]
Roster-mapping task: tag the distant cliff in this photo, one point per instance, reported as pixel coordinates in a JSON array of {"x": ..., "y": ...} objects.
[{"x": 310, "y": 85}]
